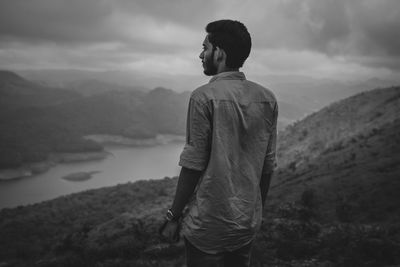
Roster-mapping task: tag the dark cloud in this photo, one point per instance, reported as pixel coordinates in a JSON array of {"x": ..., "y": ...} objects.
[
  {"x": 82, "y": 21},
  {"x": 360, "y": 31},
  {"x": 57, "y": 21},
  {"x": 354, "y": 29},
  {"x": 378, "y": 23},
  {"x": 191, "y": 13},
  {"x": 364, "y": 29},
  {"x": 327, "y": 25}
]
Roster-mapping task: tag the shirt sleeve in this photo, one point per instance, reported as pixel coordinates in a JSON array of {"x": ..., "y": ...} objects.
[
  {"x": 196, "y": 152},
  {"x": 270, "y": 162}
]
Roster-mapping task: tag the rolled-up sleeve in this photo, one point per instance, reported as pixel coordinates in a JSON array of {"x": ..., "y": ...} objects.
[
  {"x": 270, "y": 161},
  {"x": 196, "y": 152}
]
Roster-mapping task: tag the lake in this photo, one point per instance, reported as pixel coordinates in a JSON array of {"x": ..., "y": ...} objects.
[{"x": 124, "y": 164}]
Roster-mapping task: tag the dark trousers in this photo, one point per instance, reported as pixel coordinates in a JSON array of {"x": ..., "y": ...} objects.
[{"x": 198, "y": 258}]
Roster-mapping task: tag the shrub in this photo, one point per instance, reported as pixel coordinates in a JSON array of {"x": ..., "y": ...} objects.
[{"x": 308, "y": 198}]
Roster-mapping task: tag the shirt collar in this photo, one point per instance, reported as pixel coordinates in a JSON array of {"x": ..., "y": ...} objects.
[{"x": 228, "y": 75}]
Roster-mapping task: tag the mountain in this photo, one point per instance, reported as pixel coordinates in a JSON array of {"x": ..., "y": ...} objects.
[
  {"x": 339, "y": 122},
  {"x": 349, "y": 152},
  {"x": 334, "y": 198},
  {"x": 333, "y": 201},
  {"x": 93, "y": 87},
  {"x": 8, "y": 77},
  {"x": 297, "y": 94},
  {"x": 37, "y": 120},
  {"x": 30, "y": 127},
  {"x": 314, "y": 94},
  {"x": 290, "y": 112},
  {"x": 62, "y": 78},
  {"x": 16, "y": 92},
  {"x": 129, "y": 113}
]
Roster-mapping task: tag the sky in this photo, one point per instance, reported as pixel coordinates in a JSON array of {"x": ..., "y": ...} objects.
[{"x": 332, "y": 39}]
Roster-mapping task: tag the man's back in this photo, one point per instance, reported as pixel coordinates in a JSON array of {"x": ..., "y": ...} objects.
[
  {"x": 229, "y": 155},
  {"x": 231, "y": 137}
]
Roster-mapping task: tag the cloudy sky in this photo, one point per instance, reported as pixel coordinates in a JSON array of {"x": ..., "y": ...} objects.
[{"x": 338, "y": 39}]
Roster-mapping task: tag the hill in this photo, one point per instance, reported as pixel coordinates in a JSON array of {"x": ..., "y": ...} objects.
[
  {"x": 30, "y": 128},
  {"x": 348, "y": 151},
  {"x": 297, "y": 98},
  {"x": 93, "y": 87},
  {"x": 127, "y": 113},
  {"x": 335, "y": 194},
  {"x": 335, "y": 204},
  {"x": 37, "y": 120},
  {"x": 16, "y": 92},
  {"x": 338, "y": 123}
]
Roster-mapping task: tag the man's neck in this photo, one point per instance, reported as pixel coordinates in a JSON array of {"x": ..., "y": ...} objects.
[{"x": 223, "y": 68}]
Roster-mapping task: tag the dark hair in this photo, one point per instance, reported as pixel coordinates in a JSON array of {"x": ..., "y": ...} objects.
[{"x": 233, "y": 37}]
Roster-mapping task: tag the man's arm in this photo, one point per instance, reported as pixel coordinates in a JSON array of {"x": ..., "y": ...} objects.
[
  {"x": 195, "y": 154},
  {"x": 264, "y": 185},
  {"x": 270, "y": 158},
  {"x": 187, "y": 183},
  {"x": 193, "y": 159}
]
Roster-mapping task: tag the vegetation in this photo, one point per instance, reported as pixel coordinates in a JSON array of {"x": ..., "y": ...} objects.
[
  {"x": 338, "y": 123},
  {"x": 93, "y": 226},
  {"x": 117, "y": 226}
]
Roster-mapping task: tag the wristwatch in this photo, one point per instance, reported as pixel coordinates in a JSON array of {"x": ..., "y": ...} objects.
[{"x": 170, "y": 216}]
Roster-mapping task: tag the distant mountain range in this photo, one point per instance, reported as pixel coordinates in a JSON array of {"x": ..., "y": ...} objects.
[
  {"x": 17, "y": 92},
  {"x": 94, "y": 87},
  {"x": 299, "y": 90},
  {"x": 38, "y": 118},
  {"x": 333, "y": 202},
  {"x": 298, "y": 95}
]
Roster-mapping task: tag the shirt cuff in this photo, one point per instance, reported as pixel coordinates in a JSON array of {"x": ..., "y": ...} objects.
[{"x": 193, "y": 158}]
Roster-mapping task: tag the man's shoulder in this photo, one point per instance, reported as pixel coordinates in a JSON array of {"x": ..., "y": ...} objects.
[
  {"x": 263, "y": 91},
  {"x": 203, "y": 93},
  {"x": 218, "y": 89}
]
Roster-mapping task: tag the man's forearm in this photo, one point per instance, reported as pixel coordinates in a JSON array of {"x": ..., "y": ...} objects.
[
  {"x": 264, "y": 185},
  {"x": 187, "y": 183}
]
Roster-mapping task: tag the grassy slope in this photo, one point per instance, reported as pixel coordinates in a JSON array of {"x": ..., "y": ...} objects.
[
  {"x": 339, "y": 122},
  {"x": 348, "y": 152}
]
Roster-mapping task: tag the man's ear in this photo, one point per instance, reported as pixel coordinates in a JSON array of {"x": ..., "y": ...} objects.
[{"x": 220, "y": 54}]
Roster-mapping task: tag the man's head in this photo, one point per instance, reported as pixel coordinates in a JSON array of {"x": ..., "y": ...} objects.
[{"x": 226, "y": 40}]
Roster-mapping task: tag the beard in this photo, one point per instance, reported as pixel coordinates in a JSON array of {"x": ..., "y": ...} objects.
[{"x": 209, "y": 67}]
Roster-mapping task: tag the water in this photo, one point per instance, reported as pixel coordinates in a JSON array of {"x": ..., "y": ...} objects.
[{"x": 124, "y": 165}]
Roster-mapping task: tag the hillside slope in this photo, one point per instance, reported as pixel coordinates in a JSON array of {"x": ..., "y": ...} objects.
[
  {"x": 349, "y": 154},
  {"x": 360, "y": 174},
  {"x": 338, "y": 122}
]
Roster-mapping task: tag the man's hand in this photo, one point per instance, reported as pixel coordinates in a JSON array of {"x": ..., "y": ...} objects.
[
  {"x": 170, "y": 231},
  {"x": 187, "y": 183}
]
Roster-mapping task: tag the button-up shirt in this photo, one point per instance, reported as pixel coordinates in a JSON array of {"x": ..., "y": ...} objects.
[{"x": 230, "y": 137}]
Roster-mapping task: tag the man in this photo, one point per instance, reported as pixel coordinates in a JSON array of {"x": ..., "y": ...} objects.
[{"x": 229, "y": 156}]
